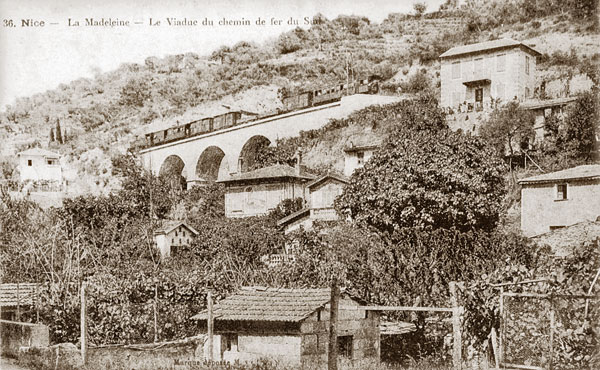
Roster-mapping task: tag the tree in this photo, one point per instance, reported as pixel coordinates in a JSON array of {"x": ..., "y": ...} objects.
[
  {"x": 427, "y": 178},
  {"x": 52, "y": 135},
  {"x": 509, "y": 127},
  {"x": 59, "y": 137},
  {"x": 420, "y": 8},
  {"x": 579, "y": 135}
]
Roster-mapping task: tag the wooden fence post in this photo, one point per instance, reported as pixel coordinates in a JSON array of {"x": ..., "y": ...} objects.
[
  {"x": 457, "y": 346},
  {"x": 210, "y": 325},
  {"x": 552, "y": 323},
  {"x": 83, "y": 325},
  {"x": 155, "y": 313},
  {"x": 501, "y": 336},
  {"x": 18, "y": 304},
  {"x": 333, "y": 316}
]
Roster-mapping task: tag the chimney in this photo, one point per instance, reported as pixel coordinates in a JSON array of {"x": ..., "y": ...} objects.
[{"x": 298, "y": 162}]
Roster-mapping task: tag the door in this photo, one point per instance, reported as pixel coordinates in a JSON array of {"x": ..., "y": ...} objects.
[{"x": 479, "y": 95}]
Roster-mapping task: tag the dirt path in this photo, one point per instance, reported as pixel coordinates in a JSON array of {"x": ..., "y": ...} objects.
[{"x": 8, "y": 364}]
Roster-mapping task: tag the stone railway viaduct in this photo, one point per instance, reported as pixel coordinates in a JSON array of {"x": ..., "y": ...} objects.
[{"x": 218, "y": 154}]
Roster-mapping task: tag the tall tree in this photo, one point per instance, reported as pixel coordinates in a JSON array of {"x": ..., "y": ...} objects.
[
  {"x": 427, "y": 178},
  {"x": 59, "y": 137},
  {"x": 52, "y": 135}
]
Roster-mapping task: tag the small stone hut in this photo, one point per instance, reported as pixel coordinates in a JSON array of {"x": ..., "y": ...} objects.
[{"x": 291, "y": 327}]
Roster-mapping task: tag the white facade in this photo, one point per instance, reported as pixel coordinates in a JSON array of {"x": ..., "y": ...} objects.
[
  {"x": 173, "y": 235},
  {"x": 475, "y": 74},
  {"x": 356, "y": 157},
  {"x": 560, "y": 199},
  {"x": 39, "y": 165}
]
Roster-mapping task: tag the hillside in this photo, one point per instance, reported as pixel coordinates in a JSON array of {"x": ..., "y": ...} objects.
[{"x": 104, "y": 116}]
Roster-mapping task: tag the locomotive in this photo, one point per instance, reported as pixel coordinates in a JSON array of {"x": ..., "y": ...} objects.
[{"x": 303, "y": 100}]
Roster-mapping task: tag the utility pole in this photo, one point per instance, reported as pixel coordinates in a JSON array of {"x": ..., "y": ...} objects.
[
  {"x": 83, "y": 325},
  {"x": 333, "y": 316}
]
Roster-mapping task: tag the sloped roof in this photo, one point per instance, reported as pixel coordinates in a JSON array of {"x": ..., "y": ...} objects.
[
  {"x": 171, "y": 225},
  {"x": 565, "y": 239},
  {"x": 335, "y": 176},
  {"x": 271, "y": 172},
  {"x": 39, "y": 152},
  {"x": 538, "y": 104},
  {"x": 269, "y": 304},
  {"x": 487, "y": 45},
  {"x": 305, "y": 212},
  {"x": 590, "y": 171},
  {"x": 13, "y": 295}
]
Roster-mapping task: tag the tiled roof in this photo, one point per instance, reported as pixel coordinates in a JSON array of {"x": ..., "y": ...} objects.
[
  {"x": 171, "y": 225},
  {"x": 269, "y": 304},
  {"x": 335, "y": 176},
  {"x": 13, "y": 295},
  {"x": 39, "y": 152},
  {"x": 537, "y": 104},
  {"x": 590, "y": 171},
  {"x": 487, "y": 45},
  {"x": 271, "y": 172}
]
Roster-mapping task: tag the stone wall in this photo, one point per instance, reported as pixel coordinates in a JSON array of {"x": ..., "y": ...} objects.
[
  {"x": 361, "y": 325},
  {"x": 15, "y": 335}
]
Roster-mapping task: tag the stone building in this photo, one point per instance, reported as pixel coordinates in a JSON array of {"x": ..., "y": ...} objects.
[
  {"x": 38, "y": 164},
  {"x": 321, "y": 194},
  {"x": 472, "y": 75},
  {"x": 291, "y": 327},
  {"x": 258, "y": 192},
  {"x": 558, "y": 199},
  {"x": 173, "y": 235}
]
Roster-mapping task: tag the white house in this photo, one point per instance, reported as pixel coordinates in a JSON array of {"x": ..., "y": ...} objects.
[
  {"x": 321, "y": 194},
  {"x": 558, "y": 199},
  {"x": 474, "y": 74},
  {"x": 173, "y": 235},
  {"x": 355, "y": 156},
  {"x": 258, "y": 192},
  {"x": 39, "y": 165}
]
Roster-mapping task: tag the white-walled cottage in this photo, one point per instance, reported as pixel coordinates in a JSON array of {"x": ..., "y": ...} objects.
[
  {"x": 173, "y": 235},
  {"x": 558, "y": 199},
  {"x": 38, "y": 164}
]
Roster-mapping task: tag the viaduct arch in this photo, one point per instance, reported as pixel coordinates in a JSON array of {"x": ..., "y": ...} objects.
[{"x": 218, "y": 154}]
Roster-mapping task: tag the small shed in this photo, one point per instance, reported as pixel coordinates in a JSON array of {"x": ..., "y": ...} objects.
[
  {"x": 291, "y": 327},
  {"x": 357, "y": 155},
  {"x": 173, "y": 235},
  {"x": 17, "y": 298}
]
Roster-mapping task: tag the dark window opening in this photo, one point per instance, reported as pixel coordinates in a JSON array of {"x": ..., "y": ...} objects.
[
  {"x": 231, "y": 342},
  {"x": 361, "y": 157},
  {"x": 29, "y": 162},
  {"x": 556, "y": 227},
  {"x": 319, "y": 315},
  {"x": 345, "y": 346},
  {"x": 561, "y": 192}
]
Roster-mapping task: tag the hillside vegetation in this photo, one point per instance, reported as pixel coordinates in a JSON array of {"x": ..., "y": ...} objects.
[{"x": 105, "y": 115}]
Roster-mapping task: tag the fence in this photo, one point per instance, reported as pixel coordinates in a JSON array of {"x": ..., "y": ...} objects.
[{"x": 544, "y": 331}]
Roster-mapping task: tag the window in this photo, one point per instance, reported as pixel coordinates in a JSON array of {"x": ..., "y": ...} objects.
[
  {"x": 561, "y": 192},
  {"x": 526, "y": 64},
  {"x": 51, "y": 161},
  {"x": 479, "y": 65},
  {"x": 345, "y": 346},
  {"x": 456, "y": 70},
  {"x": 230, "y": 342},
  {"x": 361, "y": 157},
  {"x": 552, "y": 228},
  {"x": 29, "y": 162},
  {"x": 500, "y": 62}
]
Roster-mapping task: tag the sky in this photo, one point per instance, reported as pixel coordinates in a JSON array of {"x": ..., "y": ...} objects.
[{"x": 35, "y": 58}]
